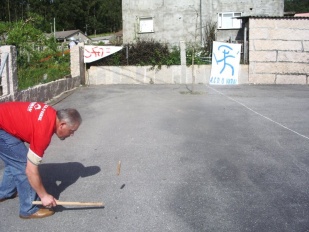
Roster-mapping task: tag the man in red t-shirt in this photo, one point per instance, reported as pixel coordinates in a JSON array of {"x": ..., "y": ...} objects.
[{"x": 33, "y": 123}]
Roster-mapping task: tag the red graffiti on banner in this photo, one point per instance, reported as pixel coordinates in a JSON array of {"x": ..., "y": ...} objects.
[{"x": 95, "y": 51}]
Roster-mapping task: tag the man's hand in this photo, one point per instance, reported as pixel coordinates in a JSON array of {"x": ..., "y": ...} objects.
[
  {"x": 48, "y": 201},
  {"x": 33, "y": 174}
]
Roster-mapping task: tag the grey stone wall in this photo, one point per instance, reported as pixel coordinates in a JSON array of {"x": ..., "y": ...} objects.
[
  {"x": 184, "y": 20},
  {"x": 279, "y": 50},
  {"x": 48, "y": 91}
]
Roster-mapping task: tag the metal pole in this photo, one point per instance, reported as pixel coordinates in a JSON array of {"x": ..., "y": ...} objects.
[
  {"x": 55, "y": 28},
  {"x": 201, "y": 23},
  {"x": 127, "y": 54},
  {"x": 245, "y": 45}
]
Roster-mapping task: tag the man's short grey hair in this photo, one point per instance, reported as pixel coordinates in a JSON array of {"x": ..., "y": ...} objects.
[{"x": 70, "y": 116}]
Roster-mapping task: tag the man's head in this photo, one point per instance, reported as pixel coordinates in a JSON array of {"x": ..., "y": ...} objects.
[{"x": 67, "y": 122}]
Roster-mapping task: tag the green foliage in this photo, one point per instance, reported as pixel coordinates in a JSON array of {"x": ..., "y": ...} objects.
[
  {"x": 45, "y": 68},
  {"x": 150, "y": 53},
  {"x": 91, "y": 16},
  {"x": 297, "y": 6},
  {"x": 4, "y": 28},
  {"x": 38, "y": 60},
  {"x": 201, "y": 55}
]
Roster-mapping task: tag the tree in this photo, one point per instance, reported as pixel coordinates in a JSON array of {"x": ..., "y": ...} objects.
[
  {"x": 297, "y": 6},
  {"x": 4, "y": 28},
  {"x": 95, "y": 16}
]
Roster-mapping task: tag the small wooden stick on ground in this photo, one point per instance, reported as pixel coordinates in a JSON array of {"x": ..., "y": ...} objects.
[
  {"x": 118, "y": 168},
  {"x": 72, "y": 203}
]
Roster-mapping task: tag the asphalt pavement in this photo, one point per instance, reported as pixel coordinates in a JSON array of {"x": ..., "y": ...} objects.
[{"x": 226, "y": 158}]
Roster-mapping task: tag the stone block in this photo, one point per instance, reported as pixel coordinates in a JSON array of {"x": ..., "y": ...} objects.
[
  {"x": 263, "y": 56},
  {"x": 150, "y": 74},
  {"x": 109, "y": 76},
  {"x": 279, "y": 68},
  {"x": 291, "y": 79},
  {"x": 202, "y": 74},
  {"x": 140, "y": 74},
  {"x": 258, "y": 33},
  {"x": 274, "y": 45},
  {"x": 306, "y": 46},
  {"x": 262, "y": 78},
  {"x": 127, "y": 75},
  {"x": 300, "y": 24},
  {"x": 294, "y": 57},
  {"x": 176, "y": 74},
  {"x": 164, "y": 75},
  {"x": 261, "y": 23},
  {"x": 288, "y": 34}
]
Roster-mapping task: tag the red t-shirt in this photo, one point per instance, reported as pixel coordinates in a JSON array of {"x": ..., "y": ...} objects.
[{"x": 32, "y": 122}]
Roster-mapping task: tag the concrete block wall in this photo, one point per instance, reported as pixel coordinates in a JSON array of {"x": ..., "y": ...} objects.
[
  {"x": 279, "y": 50},
  {"x": 175, "y": 74}
]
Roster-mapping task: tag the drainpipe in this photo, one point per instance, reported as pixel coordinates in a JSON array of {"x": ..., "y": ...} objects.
[{"x": 245, "y": 44}]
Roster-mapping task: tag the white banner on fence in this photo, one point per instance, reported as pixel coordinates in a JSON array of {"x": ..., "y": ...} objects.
[
  {"x": 93, "y": 53},
  {"x": 225, "y": 63}
]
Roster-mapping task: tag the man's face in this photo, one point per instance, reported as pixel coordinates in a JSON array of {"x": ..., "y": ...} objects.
[{"x": 64, "y": 130}]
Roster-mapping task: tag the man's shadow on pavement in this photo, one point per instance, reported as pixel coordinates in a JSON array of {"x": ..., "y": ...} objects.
[{"x": 56, "y": 177}]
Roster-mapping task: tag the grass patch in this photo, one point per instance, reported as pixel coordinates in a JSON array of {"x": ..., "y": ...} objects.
[{"x": 43, "y": 70}]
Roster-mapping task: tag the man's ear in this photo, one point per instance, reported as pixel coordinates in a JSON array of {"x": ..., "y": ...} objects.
[{"x": 61, "y": 124}]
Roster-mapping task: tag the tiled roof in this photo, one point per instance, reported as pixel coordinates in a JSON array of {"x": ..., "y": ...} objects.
[{"x": 65, "y": 34}]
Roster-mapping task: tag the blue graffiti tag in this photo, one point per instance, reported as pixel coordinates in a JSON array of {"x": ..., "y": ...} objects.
[{"x": 226, "y": 52}]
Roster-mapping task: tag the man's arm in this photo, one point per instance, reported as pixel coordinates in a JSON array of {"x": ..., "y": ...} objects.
[{"x": 33, "y": 174}]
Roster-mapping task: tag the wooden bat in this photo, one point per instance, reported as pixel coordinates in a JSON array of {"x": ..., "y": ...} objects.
[
  {"x": 72, "y": 203},
  {"x": 118, "y": 168}
]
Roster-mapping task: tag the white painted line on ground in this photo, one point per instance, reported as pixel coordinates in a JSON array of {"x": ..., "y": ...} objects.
[{"x": 267, "y": 118}]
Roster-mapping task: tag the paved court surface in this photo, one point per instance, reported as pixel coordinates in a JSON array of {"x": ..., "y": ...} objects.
[{"x": 226, "y": 159}]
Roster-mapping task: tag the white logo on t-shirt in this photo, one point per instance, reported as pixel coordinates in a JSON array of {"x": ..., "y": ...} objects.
[
  {"x": 42, "y": 113},
  {"x": 37, "y": 106},
  {"x": 34, "y": 105}
]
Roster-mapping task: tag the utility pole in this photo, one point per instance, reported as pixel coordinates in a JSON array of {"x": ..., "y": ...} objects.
[
  {"x": 201, "y": 23},
  {"x": 86, "y": 29}
]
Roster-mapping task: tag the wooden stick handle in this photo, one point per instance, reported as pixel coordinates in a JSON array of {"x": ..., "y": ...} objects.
[
  {"x": 72, "y": 203},
  {"x": 118, "y": 168}
]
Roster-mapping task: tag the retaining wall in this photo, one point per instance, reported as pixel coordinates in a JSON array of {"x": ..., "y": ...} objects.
[
  {"x": 42, "y": 92},
  {"x": 175, "y": 74}
]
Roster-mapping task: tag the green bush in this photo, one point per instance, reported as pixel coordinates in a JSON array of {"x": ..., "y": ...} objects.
[{"x": 145, "y": 53}]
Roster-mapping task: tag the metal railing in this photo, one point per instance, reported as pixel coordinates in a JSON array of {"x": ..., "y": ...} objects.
[{"x": 3, "y": 61}]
